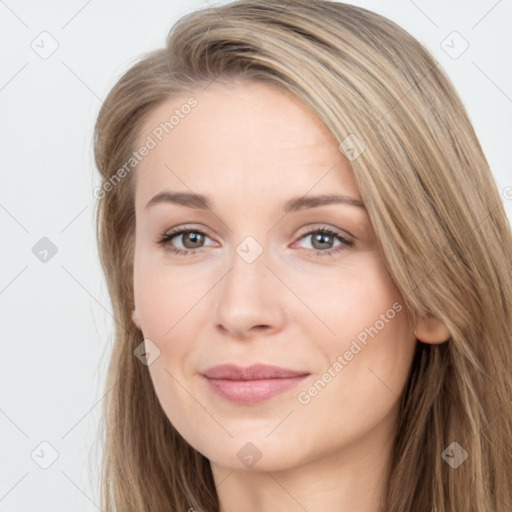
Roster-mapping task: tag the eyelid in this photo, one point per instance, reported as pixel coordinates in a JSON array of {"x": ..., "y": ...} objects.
[
  {"x": 319, "y": 227},
  {"x": 189, "y": 227}
]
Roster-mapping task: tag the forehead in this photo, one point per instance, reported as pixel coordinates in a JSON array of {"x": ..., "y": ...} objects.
[{"x": 247, "y": 136}]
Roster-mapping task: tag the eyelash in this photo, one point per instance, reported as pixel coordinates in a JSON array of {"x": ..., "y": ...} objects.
[{"x": 164, "y": 239}]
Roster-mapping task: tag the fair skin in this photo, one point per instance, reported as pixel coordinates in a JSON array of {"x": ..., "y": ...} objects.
[{"x": 250, "y": 147}]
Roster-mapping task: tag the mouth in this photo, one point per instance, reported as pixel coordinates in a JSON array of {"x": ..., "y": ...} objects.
[{"x": 252, "y": 384}]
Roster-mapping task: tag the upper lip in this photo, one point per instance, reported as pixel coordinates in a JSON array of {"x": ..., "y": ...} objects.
[{"x": 254, "y": 372}]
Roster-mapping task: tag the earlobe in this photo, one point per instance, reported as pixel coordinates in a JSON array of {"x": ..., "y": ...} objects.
[{"x": 429, "y": 329}]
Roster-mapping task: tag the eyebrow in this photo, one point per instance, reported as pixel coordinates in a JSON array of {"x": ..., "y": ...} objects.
[{"x": 192, "y": 200}]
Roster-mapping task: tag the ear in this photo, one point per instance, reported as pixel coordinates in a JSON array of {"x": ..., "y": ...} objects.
[
  {"x": 429, "y": 329},
  {"x": 135, "y": 318}
]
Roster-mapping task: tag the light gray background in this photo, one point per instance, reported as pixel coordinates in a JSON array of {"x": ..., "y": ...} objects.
[{"x": 56, "y": 328}]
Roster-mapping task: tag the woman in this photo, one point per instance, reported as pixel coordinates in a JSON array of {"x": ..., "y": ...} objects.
[{"x": 255, "y": 367}]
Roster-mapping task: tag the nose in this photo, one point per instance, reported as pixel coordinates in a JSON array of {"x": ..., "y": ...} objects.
[{"x": 250, "y": 299}]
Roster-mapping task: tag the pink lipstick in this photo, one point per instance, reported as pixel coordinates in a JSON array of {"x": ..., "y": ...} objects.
[{"x": 252, "y": 384}]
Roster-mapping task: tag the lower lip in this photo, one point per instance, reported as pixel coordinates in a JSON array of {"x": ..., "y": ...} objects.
[{"x": 252, "y": 391}]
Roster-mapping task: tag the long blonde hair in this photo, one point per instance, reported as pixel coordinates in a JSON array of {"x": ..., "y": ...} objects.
[{"x": 436, "y": 212}]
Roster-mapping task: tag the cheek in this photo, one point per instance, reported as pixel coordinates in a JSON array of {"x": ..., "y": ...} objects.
[
  {"x": 366, "y": 362},
  {"x": 371, "y": 337},
  {"x": 166, "y": 299},
  {"x": 357, "y": 297},
  {"x": 168, "y": 302}
]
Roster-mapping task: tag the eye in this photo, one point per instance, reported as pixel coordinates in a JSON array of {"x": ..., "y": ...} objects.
[
  {"x": 322, "y": 239},
  {"x": 191, "y": 240}
]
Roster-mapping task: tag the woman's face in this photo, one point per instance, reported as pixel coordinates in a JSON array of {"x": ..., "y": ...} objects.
[{"x": 267, "y": 274}]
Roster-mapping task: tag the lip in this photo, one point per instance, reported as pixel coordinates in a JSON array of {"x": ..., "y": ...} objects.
[{"x": 252, "y": 384}]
